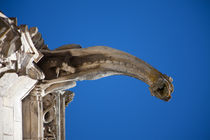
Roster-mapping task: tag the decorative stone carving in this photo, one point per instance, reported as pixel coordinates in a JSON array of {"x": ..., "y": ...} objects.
[
  {"x": 17, "y": 51},
  {"x": 53, "y": 72},
  {"x": 53, "y": 113}
]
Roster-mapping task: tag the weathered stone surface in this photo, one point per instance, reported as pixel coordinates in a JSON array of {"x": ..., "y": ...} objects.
[
  {"x": 1, "y": 120},
  {"x": 18, "y": 130},
  {"x": 17, "y": 110},
  {"x": 8, "y": 102},
  {"x": 7, "y": 82},
  {"x": 32, "y": 117},
  {"x": 11, "y": 104},
  {"x": 8, "y": 122},
  {"x": 7, "y": 137}
]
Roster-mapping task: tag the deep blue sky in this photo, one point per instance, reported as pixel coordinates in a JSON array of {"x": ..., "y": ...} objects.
[{"x": 173, "y": 36}]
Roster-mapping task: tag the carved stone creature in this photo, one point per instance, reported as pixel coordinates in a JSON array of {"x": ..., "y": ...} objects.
[
  {"x": 70, "y": 63},
  {"x": 59, "y": 69}
]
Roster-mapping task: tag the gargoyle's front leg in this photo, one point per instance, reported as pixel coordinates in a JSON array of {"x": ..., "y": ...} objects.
[
  {"x": 60, "y": 86},
  {"x": 47, "y": 87}
]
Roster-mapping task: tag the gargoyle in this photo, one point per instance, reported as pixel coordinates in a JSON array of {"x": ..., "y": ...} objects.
[{"x": 70, "y": 63}]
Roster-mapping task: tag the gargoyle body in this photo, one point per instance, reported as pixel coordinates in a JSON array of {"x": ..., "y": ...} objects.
[
  {"x": 59, "y": 69},
  {"x": 70, "y": 63}
]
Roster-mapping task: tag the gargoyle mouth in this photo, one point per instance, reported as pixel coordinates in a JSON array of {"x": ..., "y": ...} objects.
[{"x": 163, "y": 88}]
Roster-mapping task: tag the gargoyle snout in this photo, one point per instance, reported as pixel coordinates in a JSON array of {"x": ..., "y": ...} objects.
[{"x": 163, "y": 88}]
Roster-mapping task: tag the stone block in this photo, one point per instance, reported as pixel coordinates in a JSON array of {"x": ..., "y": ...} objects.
[
  {"x": 1, "y": 102},
  {"x": 23, "y": 85},
  {"x": 6, "y": 137},
  {"x": 1, "y": 120},
  {"x": 18, "y": 130},
  {"x": 8, "y": 102},
  {"x": 6, "y": 82},
  {"x": 18, "y": 110},
  {"x": 8, "y": 121}
]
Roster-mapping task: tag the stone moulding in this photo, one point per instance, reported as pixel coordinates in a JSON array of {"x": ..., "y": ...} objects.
[{"x": 34, "y": 80}]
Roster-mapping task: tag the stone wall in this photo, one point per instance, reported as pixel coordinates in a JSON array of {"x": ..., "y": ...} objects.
[
  {"x": 11, "y": 105},
  {"x": 18, "y": 75}
]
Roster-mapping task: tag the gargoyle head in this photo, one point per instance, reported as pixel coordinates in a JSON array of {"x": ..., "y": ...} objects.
[{"x": 163, "y": 88}]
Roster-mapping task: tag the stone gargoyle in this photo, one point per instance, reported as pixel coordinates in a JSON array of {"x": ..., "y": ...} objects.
[
  {"x": 67, "y": 64},
  {"x": 59, "y": 69}
]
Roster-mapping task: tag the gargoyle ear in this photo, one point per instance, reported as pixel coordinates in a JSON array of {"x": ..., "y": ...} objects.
[
  {"x": 170, "y": 79},
  {"x": 69, "y": 46}
]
